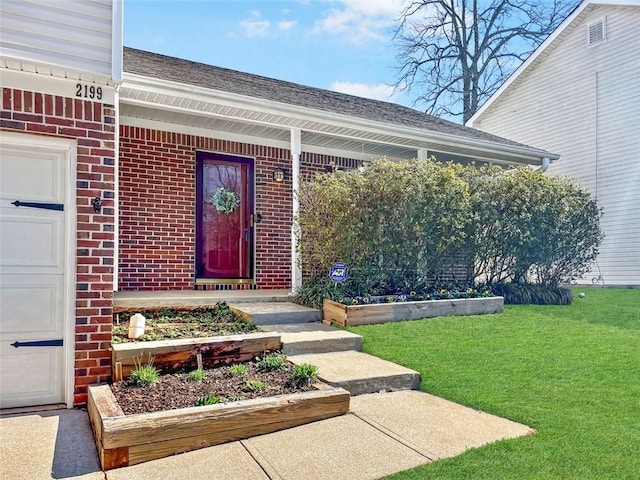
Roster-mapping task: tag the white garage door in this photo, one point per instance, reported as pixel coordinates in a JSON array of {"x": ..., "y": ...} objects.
[{"x": 33, "y": 259}]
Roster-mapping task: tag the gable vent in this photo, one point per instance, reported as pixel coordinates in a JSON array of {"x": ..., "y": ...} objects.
[{"x": 597, "y": 32}]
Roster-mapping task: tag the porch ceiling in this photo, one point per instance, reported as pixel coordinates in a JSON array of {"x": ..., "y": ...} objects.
[
  {"x": 145, "y": 103},
  {"x": 274, "y": 136}
]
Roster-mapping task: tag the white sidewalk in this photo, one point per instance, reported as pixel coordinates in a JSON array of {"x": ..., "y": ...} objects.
[{"x": 383, "y": 434}]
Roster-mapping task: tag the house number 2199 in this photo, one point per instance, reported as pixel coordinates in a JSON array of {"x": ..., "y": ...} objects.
[{"x": 88, "y": 91}]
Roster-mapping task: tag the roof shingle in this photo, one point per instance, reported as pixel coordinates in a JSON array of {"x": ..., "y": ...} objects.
[{"x": 188, "y": 72}]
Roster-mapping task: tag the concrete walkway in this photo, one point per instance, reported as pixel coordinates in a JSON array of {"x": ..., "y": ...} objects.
[
  {"x": 51, "y": 444},
  {"x": 383, "y": 434}
]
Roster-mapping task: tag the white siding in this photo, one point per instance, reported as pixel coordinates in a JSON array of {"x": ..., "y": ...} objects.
[
  {"x": 74, "y": 35},
  {"x": 584, "y": 103}
]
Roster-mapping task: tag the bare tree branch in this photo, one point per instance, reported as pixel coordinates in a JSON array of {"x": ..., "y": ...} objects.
[{"x": 456, "y": 53}]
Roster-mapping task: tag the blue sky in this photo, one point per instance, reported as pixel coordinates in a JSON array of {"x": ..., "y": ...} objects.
[{"x": 342, "y": 45}]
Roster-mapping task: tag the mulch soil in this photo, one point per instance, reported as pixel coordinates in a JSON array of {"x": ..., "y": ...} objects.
[
  {"x": 178, "y": 391},
  {"x": 183, "y": 322}
]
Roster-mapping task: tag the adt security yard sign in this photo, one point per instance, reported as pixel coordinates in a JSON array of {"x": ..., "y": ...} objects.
[{"x": 338, "y": 272}]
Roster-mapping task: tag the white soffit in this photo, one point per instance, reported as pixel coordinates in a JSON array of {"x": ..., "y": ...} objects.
[
  {"x": 10, "y": 65},
  {"x": 246, "y": 132},
  {"x": 148, "y": 97}
]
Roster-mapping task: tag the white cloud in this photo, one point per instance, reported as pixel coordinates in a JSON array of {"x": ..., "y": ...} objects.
[
  {"x": 255, "y": 26},
  {"x": 360, "y": 20},
  {"x": 377, "y": 92},
  {"x": 388, "y": 8},
  {"x": 286, "y": 24}
]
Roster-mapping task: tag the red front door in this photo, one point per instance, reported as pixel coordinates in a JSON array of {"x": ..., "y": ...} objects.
[{"x": 224, "y": 246}]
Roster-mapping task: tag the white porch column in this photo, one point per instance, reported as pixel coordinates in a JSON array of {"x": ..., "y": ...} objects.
[
  {"x": 116, "y": 189},
  {"x": 296, "y": 150},
  {"x": 422, "y": 154}
]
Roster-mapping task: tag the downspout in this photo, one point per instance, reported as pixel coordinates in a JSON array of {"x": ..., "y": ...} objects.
[
  {"x": 296, "y": 150},
  {"x": 544, "y": 166},
  {"x": 596, "y": 133}
]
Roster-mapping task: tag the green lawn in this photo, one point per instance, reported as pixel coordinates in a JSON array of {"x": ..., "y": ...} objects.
[{"x": 570, "y": 372}]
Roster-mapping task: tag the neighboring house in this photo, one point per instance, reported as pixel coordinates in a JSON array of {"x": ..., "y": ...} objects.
[
  {"x": 579, "y": 95},
  {"x": 117, "y": 174}
]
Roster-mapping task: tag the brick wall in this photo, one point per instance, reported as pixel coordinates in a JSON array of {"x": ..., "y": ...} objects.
[
  {"x": 156, "y": 216},
  {"x": 92, "y": 125},
  {"x": 157, "y": 210}
]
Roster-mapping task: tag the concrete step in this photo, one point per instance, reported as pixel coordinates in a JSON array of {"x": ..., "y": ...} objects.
[
  {"x": 360, "y": 373},
  {"x": 193, "y": 298},
  {"x": 272, "y": 313},
  {"x": 304, "y": 338}
]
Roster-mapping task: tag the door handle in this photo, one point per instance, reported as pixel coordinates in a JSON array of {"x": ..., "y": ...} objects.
[{"x": 246, "y": 234}]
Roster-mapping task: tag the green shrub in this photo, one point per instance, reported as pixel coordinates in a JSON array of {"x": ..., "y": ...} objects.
[
  {"x": 536, "y": 294},
  {"x": 394, "y": 224},
  {"x": 210, "y": 399},
  {"x": 197, "y": 375},
  {"x": 530, "y": 228},
  {"x": 238, "y": 370},
  {"x": 304, "y": 374},
  {"x": 401, "y": 226}
]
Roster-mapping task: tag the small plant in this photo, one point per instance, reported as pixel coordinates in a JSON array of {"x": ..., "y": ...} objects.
[
  {"x": 187, "y": 322},
  {"x": 144, "y": 374},
  {"x": 197, "y": 375},
  {"x": 210, "y": 399},
  {"x": 150, "y": 337},
  {"x": 304, "y": 374},
  {"x": 238, "y": 370},
  {"x": 221, "y": 309},
  {"x": 254, "y": 386},
  {"x": 273, "y": 361},
  {"x": 533, "y": 294},
  {"x": 314, "y": 290},
  {"x": 235, "y": 397}
]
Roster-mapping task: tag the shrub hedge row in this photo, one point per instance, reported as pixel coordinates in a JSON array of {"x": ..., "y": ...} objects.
[{"x": 402, "y": 226}]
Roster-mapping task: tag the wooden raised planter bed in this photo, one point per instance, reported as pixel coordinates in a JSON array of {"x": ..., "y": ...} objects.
[
  {"x": 124, "y": 440},
  {"x": 351, "y": 315},
  {"x": 183, "y": 353}
]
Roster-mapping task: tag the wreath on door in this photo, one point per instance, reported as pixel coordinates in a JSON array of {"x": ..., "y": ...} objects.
[{"x": 225, "y": 201}]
